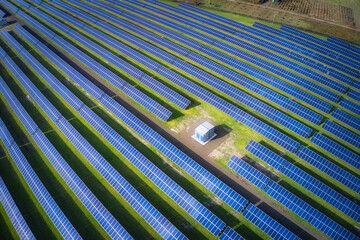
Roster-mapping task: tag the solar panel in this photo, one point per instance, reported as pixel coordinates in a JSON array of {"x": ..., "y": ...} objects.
[
  {"x": 323, "y": 191},
  {"x": 47, "y": 202},
  {"x": 354, "y": 94},
  {"x": 336, "y": 149},
  {"x": 101, "y": 214},
  {"x": 303, "y": 96},
  {"x": 307, "y": 212},
  {"x": 265, "y": 155},
  {"x": 338, "y": 42},
  {"x": 351, "y": 106},
  {"x": 248, "y": 172},
  {"x": 267, "y": 44},
  {"x": 9, "y": 6},
  {"x": 2, "y": 13},
  {"x": 185, "y": 200},
  {"x": 342, "y": 133},
  {"x": 346, "y": 118},
  {"x": 230, "y": 234},
  {"x": 14, "y": 214},
  {"x": 268, "y": 225},
  {"x": 321, "y": 42},
  {"x": 310, "y": 45},
  {"x": 5, "y": 136},
  {"x": 329, "y": 168}
]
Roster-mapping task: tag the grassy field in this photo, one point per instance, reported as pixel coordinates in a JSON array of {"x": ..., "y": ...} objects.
[{"x": 240, "y": 136}]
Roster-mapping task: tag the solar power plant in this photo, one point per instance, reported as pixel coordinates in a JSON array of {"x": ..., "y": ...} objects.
[{"x": 101, "y": 106}]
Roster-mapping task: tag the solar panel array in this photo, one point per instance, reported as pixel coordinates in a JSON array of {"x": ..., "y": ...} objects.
[
  {"x": 187, "y": 164},
  {"x": 307, "y": 212},
  {"x": 268, "y": 225},
  {"x": 311, "y": 45},
  {"x": 95, "y": 207},
  {"x": 343, "y": 44},
  {"x": 248, "y": 172},
  {"x": 266, "y": 44},
  {"x": 236, "y": 51},
  {"x": 329, "y": 168},
  {"x": 307, "y": 181},
  {"x": 201, "y": 75},
  {"x": 264, "y": 77},
  {"x": 134, "y": 198},
  {"x": 323, "y": 191},
  {"x": 321, "y": 42},
  {"x": 119, "y": 83},
  {"x": 336, "y": 149},
  {"x": 179, "y": 195},
  {"x": 266, "y": 155},
  {"x": 342, "y": 133},
  {"x": 230, "y": 234},
  {"x": 14, "y": 214},
  {"x": 346, "y": 118},
  {"x": 2, "y": 13},
  {"x": 350, "y": 105},
  {"x": 43, "y": 196},
  {"x": 354, "y": 94}
]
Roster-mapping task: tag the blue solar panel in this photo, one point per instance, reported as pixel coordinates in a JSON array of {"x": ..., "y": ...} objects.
[
  {"x": 101, "y": 214},
  {"x": 329, "y": 168},
  {"x": 351, "y": 106},
  {"x": 310, "y": 45},
  {"x": 321, "y": 42},
  {"x": 268, "y": 225},
  {"x": 346, "y": 118},
  {"x": 338, "y": 42},
  {"x": 2, "y": 13},
  {"x": 265, "y": 155},
  {"x": 342, "y": 133},
  {"x": 5, "y": 136},
  {"x": 22, "y": 3},
  {"x": 194, "y": 208},
  {"x": 9, "y": 6},
  {"x": 276, "y": 48},
  {"x": 307, "y": 212},
  {"x": 336, "y": 149},
  {"x": 323, "y": 191},
  {"x": 47, "y": 202},
  {"x": 248, "y": 172},
  {"x": 123, "y": 65},
  {"x": 354, "y": 94},
  {"x": 230, "y": 234},
  {"x": 14, "y": 214}
]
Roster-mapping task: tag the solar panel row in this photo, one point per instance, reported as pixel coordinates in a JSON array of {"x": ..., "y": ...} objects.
[
  {"x": 266, "y": 44},
  {"x": 95, "y": 207},
  {"x": 354, "y": 94},
  {"x": 295, "y": 204},
  {"x": 185, "y": 200},
  {"x": 147, "y": 102},
  {"x": 342, "y": 133},
  {"x": 207, "y": 78},
  {"x": 43, "y": 196},
  {"x": 230, "y": 234},
  {"x": 264, "y": 77},
  {"x": 14, "y": 214},
  {"x": 321, "y": 42},
  {"x": 307, "y": 181},
  {"x": 5, "y": 135},
  {"x": 308, "y": 44},
  {"x": 248, "y": 172},
  {"x": 187, "y": 164},
  {"x": 346, "y": 118},
  {"x": 307, "y": 212},
  {"x": 138, "y": 202},
  {"x": 2, "y": 13},
  {"x": 336, "y": 149},
  {"x": 350, "y": 105},
  {"x": 309, "y": 85},
  {"x": 268, "y": 225},
  {"x": 329, "y": 168},
  {"x": 343, "y": 44}
]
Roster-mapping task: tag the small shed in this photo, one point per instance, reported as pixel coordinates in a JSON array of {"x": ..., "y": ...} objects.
[{"x": 204, "y": 132}]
